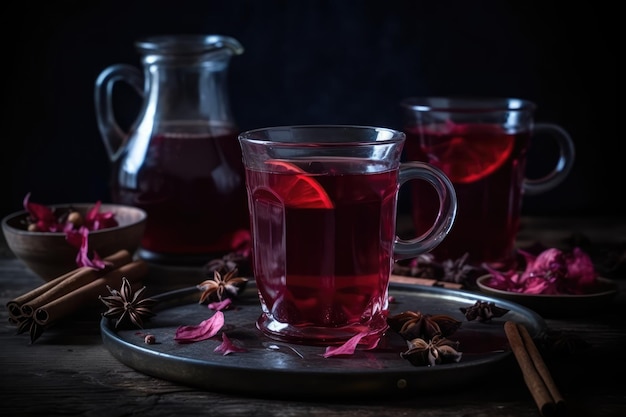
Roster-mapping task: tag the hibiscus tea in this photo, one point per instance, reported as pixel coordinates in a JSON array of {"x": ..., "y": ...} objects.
[
  {"x": 486, "y": 165},
  {"x": 323, "y": 242},
  {"x": 192, "y": 185}
]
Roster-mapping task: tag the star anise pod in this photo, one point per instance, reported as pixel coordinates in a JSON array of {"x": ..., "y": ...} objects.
[
  {"x": 483, "y": 311},
  {"x": 414, "y": 324},
  {"x": 127, "y": 306},
  {"x": 423, "y": 266},
  {"x": 434, "y": 352},
  {"x": 457, "y": 270},
  {"x": 29, "y": 324},
  {"x": 227, "y": 286},
  {"x": 228, "y": 262},
  {"x": 563, "y": 344}
]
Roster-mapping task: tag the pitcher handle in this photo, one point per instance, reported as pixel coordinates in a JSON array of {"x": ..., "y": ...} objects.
[
  {"x": 563, "y": 165},
  {"x": 113, "y": 136}
]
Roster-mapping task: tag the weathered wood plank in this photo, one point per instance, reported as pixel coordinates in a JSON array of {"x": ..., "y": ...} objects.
[{"x": 68, "y": 371}]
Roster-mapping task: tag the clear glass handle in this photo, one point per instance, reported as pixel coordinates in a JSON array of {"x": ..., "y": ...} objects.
[
  {"x": 113, "y": 136},
  {"x": 564, "y": 164},
  {"x": 420, "y": 171}
]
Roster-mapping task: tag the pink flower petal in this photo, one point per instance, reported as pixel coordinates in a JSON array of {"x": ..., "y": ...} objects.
[
  {"x": 80, "y": 239},
  {"x": 97, "y": 262},
  {"x": 538, "y": 285},
  {"x": 241, "y": 242},
  {"x": 580, "y": 268},
  {"x": 227, "y": 346},
  {"x": 95, "y": 220},
  {"x": 220, "y": 305},
  {"x": 367, "y": 339},
  {"x": 552, "y": 271},
  {"x": 347, "y": 348},
  {"x": 46, "y": 221},
  {"x": 44, "y": 216},
  {"x": 205, "y": 330}
]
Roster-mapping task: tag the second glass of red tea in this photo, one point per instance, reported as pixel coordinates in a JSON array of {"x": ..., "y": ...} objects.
[
  {"x": 482, "y": 145},
  {"x": 323, "y": 203}
]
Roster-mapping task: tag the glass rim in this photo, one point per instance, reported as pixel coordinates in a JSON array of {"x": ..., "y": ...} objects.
[
  {"x": 467, "y": 104},
  {"x": 183, "y": 44},
  {"x": 385, "y": 135}
]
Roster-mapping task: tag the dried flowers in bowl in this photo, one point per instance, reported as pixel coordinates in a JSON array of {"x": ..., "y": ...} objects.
[
  {"x": 53, "y": 240},
  {"x": 554, "y": 282}
]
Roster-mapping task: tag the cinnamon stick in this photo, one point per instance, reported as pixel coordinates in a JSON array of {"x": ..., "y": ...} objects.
[
  {"x": 423, "y": 281},
  {"x": 15, "y": 305},
  {"x": 58, "y": 308},
  {"x": 64, "y": 284},
  {"x": 535, "y": 372},
  {"x": 541, "y": 366}
]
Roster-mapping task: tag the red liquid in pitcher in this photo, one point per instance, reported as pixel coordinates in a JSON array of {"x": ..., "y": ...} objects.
[
  {"x": 192, "y": 187},
  {"x": 322, "y": 243},
  {"x": 486, "y": 166}
]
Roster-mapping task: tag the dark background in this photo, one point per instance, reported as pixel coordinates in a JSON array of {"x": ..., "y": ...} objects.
[{"x": 308, "y": 62}]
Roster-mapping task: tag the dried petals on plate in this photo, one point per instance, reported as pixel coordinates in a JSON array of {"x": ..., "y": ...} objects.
[
  {"x": 220, "y": 305},
  {"x": 483, "y": 311},
  {"x": 205, "y": 330},
  {"x": 366, "y": 340},
  {"x": 227, "y": 346},
  {"x": 553, "y": 272}
]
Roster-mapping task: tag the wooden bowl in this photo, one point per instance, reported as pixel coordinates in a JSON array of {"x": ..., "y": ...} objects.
[{"x": 49, "y": 255}]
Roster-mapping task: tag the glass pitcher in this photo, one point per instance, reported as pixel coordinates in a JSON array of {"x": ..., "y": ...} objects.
[{"x": 180, "y": 160}]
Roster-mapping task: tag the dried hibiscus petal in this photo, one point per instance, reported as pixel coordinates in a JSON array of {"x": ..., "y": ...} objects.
[
  {"x": 551, "y": 272},
  {"x": 205, "y": 330},
  {"x": 96, "y": 220},
  {"x": 220, "y": 305},
  {"x": 367, "y": 340},
  {"x": 80, "y": 239},
  {"x": 76, "y": 228},
  {"x": 42, "y": 216},
  {"x": 227, "y": 346}
]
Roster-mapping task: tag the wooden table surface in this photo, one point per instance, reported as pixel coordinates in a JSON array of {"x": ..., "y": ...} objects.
[{"x": 68, "y": 371}]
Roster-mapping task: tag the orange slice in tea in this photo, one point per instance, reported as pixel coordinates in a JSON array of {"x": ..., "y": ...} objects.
[
  {"x": 471, "y": 156},
  {"x": 299, "y": 190}
]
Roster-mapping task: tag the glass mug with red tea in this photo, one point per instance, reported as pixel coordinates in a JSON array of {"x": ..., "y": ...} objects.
[
  {"x": 323, "y": 203},
  {"x": 482, "y": 145},
  {"x": 180, "y": 161}
]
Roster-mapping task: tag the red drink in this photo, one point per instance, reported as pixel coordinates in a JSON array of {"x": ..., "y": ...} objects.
[
  {"x": 486, "y": 165},
  {"x": 323, "y": 247},
  {"x": 192, "y": 187}
]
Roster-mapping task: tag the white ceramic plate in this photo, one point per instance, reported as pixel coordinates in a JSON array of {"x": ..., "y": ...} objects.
[{"x": 556, "y": 305}]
